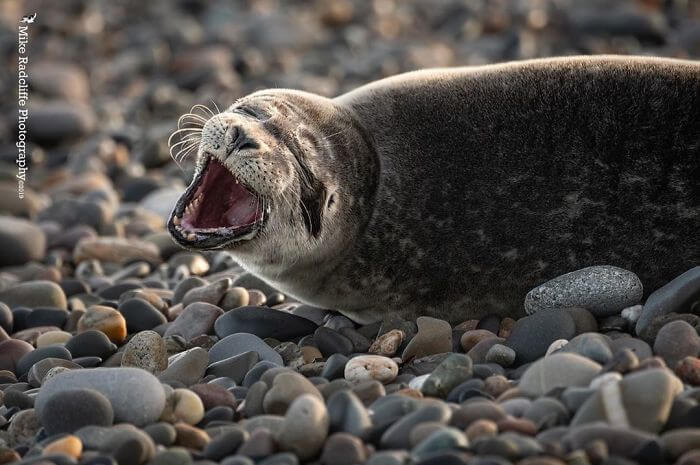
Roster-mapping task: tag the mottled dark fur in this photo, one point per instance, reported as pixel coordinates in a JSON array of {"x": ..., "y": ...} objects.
[{"x": 496, "y": 179}]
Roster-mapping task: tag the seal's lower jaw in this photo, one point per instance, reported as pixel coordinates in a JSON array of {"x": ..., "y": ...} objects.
[{"x": 216, "y": 210}]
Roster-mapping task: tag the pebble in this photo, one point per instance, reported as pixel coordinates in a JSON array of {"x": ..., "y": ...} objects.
[
  {"x": 146, "y": 350},
  {"x": 40, "y": 369},
  {"x": 558, "y": 370},
  {"x": 235, "y": 297},
  {"x": 210, "y": 293},
  {"x": 675, "y": 296},
  {"x": 105, "y": 319},
  {"x": 471, "y": 338},
  {"x": 34, "y": 294},
  {"x": 116, "y": 250},
  {"x": 330, "y": 341},
  {"x": 237, "y": 344},
  {"x": 70, "y": 446},
  {"x": 397, "y": 435},
  {"x": 305, "y": 427},
  {"x": 347, "y": 414},
  {"x": 196, "y": 319},
  {"x": 53, "y": 337},
  {"x": 590, "y": 345},
  {"x": 118, "y": 386},
  {"x": 11, "y": 351},
  {"x": 433, "y": 337},
  {"x": 23, "y": 241},
  {"x": 191, "y": 437},
  {"x": 388, "y": 343},
  {"x": 501, "y": 355},
  {"x": 678, "y": 442},
  {"x": 23, "y": 428},
  {"x": 183, "y": 405},
  {"x": 30, "y": 358},
  {"x": 675, "y": 341},
  {"x": 214, "y": 395},
  {"x": 627, "y": 403},
  {"x": 187, "y": 367},
  {"x": 343, "y": 449},
  {"x": 91, "y": 343},
  {"x": 532, "y": 335},
  {"x": 454, "y": 370},
  {"x": 263, "y": 322},
  {"x": 688, "y": 370},
  {"x": 161, "y": 433},
  {"x": 371, "y": 367},
  {"x": 140, "y": 315},
  {"x": 234, "y": 367},
  {"x": 285, "y": 388},
  {"x": 604, "y": 290}
]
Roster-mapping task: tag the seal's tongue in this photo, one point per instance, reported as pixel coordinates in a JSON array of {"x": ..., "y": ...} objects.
[{"x": 220, "y": 202}]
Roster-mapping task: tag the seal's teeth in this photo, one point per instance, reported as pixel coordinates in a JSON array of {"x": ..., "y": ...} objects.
[
  {"x": 191, "y": 237},
  {"x": 176, "y": 220}
]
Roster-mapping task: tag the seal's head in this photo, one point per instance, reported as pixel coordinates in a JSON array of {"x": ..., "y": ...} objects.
[{"x": 273, "y": 172}]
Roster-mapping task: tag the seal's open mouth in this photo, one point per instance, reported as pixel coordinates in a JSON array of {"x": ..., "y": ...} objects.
[{"x": 216, "y": 209}]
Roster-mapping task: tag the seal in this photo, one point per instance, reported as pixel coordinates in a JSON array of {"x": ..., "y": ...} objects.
[{"x": 453, "y": 192}]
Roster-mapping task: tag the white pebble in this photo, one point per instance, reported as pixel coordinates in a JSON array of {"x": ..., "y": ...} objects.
[
  {"x": 365, "y": 367},
  {"x": 605, "y": 378},
  {"x": 632, "y": 313},
  {"x": 556, "y": 345}
]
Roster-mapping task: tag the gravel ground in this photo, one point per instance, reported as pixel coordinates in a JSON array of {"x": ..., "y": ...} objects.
[{"x": 117, "y": 347}]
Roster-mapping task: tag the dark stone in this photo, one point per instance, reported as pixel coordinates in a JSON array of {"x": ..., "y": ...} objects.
[
  {"x": 674, "y": 297},
  {"x": 532, "y": 335},
  {"x": 46, "y": 317},
  {"x": 91, "y": 343},
  {"x": 234, "y": 367},
  {"x": 69, "y": 410},
  {"x": 140, "y": 315},
  {"x": 54, "y": 351},
  {"x": 263, "y": 322},
  {"x": 331, "y": 342}
]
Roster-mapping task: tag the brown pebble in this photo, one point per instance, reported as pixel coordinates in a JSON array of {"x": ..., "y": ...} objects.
[
  {"x": 388, "y": 343},
  {"x": 511, "y": 393},
  {"x": 116, "y": 249},
  {"x": 310, "y": 354},
  {"x": 468, "y": 325},
  {"x": 496, "y": 385},
  {"x": 105, "y": 319},
  {"x": 409, "y": 392},
  {"x": 690, "y": 458},
  {"x": 473, "y": 337},
  {"x": 506, "y": 327},
  {"x": 8, "y": 456},
  {"x": 256, "y": 298},
  {"x": 481, "y": 428},
  {"x": 191, "y": 436},
  {"x": 597, "y": 450},
  {"x": 517, "y": 425},
  {"x": 651, "y": 362},
  {"x": 688, "y": 369},
  {"x": 69, "y": 445},
  {"x": 31, "y": 335}
]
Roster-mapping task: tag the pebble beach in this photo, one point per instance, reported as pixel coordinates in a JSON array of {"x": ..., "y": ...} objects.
[{"x": 118, "y": 347}]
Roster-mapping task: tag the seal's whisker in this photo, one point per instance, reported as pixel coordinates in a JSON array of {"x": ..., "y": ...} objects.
[
  {"x": 204, "y": 108},
  {"x": 191, "y": 118},
  {"x": 215, "y": 105}
]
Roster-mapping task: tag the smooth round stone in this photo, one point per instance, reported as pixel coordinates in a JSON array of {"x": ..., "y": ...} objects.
[
  {"x": 263, "y": 322},
  {"x": 69, "y": 446},
  {"x": 620, "y": 441},
  {"x": 235, "y": 297},
  {"x": 26, "y": 362},
  {"x": 116, "y": 250},
  {"x": 547, "y": 412},
  {"x": 191, "y": 437},
  {"x": 14, "y": 399},
  {"x": 105, "y": 319},
  {"x": 53, "y": 337},
  {"x": 481, "y": 428},
  {"x": 69, "y": 410},
  {"x": 434, "y": 336},
  {"x": 250, "y": 281},
  {"x": 115, "y": 291},
  {"x": 688, "y": 370},
  {"x": 584, "y": 320},
  {"x": 11, "y": 351},
  {"x": 186, "y": 367},
  {"x": 388, "y": 343},
  {"x": 532, "y": 335},
  {"x": 501, "y": 355},
  {"x": 225, "y": 444},
  {"x": 146, "y": 350},
  {"x": 254, "y": 399},
  {"x": 140, "y": 315},
  {"x": 24, "y": 426},
  {"x": 46, "y": 317},
  {"x": 172, "y": 456},
  {"x": 195, "y": 262},
  {"x": 674, "y": 297},
  {"x": 334, "y": 367},
  {"x": 603, "y": 290},
  {"x": 214, "y": 395},
  {"x": 6, "y": 318},
  {"x": 675, "y": 341},
  {"x": 389, "y": 457},
  {"x": 558, "y": 370},
  {"x": 184, "y": 286},
  {"x": 343, "y": 449},
  {"x": 240, "y": 343},
  {"x": 590, "y": 345},
  {"x": 196, "y": 319},
  {"x": 116, "y": 384},
  {"x": 256, "y": 373},
  {"x": 329, "y": 342},
  {"x": 259, "y": 445},
  {"x": 347, "y": 414},
  {"x": 161, "y": 433},
  {"x": 678, "y": 442},
  {"x": 305, "y": 427},
  {"x": 91, "y": 343},
  {"x": 629, "y": 404},
  {"x": 39, "y": 370},
  {"x": 454, "y": 370},
  {"x": 32, "y": 294},
  {"x": 440, "y": 440},
  {"x": 23, "y": 241},
  {"x": 237, "y": 460},
  {"x": 476, "y": 410},
  {"x": 211, "y": 293},
  {"x": 234, "y": 367},
  {"x": 397, "y": 436},
  {"x": 360, "y": 343},
  {"x": 371, "y": 367},
  {"x": 640, "y": 348},
  {"x": 183, "y": 405},
  {"x": 126, "y": 444},
  {"x": 285, "y": 388}
]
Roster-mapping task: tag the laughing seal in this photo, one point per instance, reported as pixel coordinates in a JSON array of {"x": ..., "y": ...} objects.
[{"x": 452, "y": 192}]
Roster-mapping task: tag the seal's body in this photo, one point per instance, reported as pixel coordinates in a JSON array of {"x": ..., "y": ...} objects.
[{"x": 453, "y": 192}]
